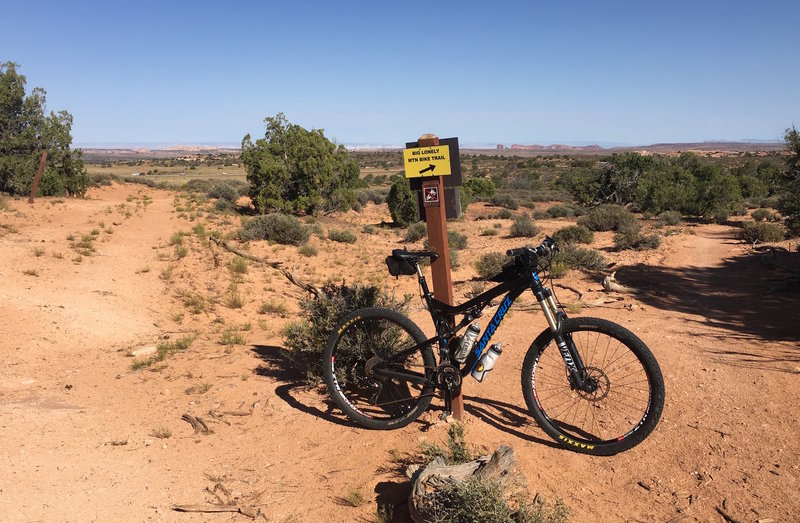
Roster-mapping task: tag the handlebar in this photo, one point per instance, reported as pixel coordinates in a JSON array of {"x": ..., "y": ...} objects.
[{"x": 547, "y": 245}]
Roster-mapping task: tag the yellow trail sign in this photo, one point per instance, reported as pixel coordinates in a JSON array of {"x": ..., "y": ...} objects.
[{"x": 427, "y": 161}]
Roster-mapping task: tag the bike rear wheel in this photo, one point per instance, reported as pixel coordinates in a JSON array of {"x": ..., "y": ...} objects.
[
  {"x": 373, "y": 371},
  {"x": 628, "y": 396}
]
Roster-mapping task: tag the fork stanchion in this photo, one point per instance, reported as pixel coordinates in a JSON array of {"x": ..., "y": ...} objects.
[{"x": 436, "y": 218}]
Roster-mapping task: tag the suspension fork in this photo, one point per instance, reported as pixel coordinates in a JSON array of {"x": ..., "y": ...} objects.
[{"x": 555, "y": 318}]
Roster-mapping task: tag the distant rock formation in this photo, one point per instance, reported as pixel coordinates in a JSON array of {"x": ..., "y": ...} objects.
[{"x": 557, "y": 147}]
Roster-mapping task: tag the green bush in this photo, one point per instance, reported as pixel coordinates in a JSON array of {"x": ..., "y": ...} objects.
[
  {"x": 416, "y": 231},
  {"x": 505, "y": 200},
  {"x": 478, "y": 499},
  {"x": 576, "y": 257},
  {"x": 402, "y": 202},
  {"x": 490, "y": 264},
  {"x": 631, "y": 237},
  {"x": 489, "y": 232},
  {"x": 305, "y": 339},
  {"x": 26, "y": 130},
  {"x": 307, "y": 250},
  {"x": 669, "y": 218},
  {"x": 523, "y": 227},
  {"x": 365, "y": 196},
  {"x": 765, "y": 215},
  {"x": 296, "y": 170},
  {"x": 562, "y": 210},
  {"x": 224, "y": 191},
  {"x": 481, "y": 187},
  {"x": 343, "y": 236},
  {"x": 754, "y": 232},
  {"x": 608, "y": 217},
  {"x": 455, "y": 260},
  {"x": 455, "y": 241},
  {"x": 280, "y": 228},
  {"x": 573, "y": 234}
]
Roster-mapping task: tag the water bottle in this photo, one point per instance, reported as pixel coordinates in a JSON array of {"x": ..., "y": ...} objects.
[
  {"x": 467, "y": 342},
  {"x": 486, "y": 362}
]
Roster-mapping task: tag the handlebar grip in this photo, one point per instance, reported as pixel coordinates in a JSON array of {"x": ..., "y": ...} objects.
[{"x": 515, "y": 252}]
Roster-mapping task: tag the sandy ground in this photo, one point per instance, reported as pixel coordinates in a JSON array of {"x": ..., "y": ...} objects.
[{"x": 79, "y": 428}]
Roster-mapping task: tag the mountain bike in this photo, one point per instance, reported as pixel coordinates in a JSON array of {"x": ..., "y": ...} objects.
[{"x": 590, "y": 384}]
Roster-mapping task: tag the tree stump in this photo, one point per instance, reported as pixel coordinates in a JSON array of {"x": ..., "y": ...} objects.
[{"x": 500, "y": 467}]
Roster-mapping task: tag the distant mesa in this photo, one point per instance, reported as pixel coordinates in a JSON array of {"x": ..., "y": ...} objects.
[{"x": 553, "y": 147}]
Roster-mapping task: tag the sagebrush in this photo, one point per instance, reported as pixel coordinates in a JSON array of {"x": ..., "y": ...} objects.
[{"x": 305, "y": 339}]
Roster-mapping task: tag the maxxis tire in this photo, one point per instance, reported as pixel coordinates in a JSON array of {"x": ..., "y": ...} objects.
[
  {"x": 352, "y": 321},
  {"x": 655, "y": 387}
]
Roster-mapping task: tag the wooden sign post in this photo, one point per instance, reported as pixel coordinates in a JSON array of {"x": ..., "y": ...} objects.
[{"x": 431, "y": 160}]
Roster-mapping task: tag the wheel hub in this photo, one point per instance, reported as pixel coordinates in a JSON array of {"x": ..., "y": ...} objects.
[{"x": 596, "y": 386}]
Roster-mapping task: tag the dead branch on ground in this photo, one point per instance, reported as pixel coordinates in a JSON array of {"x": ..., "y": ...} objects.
[{"x": 273, "y": 264}]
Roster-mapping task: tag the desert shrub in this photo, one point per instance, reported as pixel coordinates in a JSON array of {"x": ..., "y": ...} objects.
[
  {"x": 490, "y": 264},
  {"x": 364, "y": 196},
  {"x": 455, "y": 241},
  {"x": 102, "y": 179},
  {"x": 631, "y": 237},
  {"x": 669, "y": 218},
  {"x": 455, "y": 260},
  {"x": 343, "y": 236},
  {"x": 416, "y": 231},
  {"x": 754, "y": 232},
  {"x": 546, "y": 195},
  {"x": 561, "y": 210},
  {"x": 224, "y": 191},
  {"x": 502, "y": 214},
  {"x": 760, "y": 215},
  {"x": 402, "y": 202},
  {"x": 276, "y": 227},
  {"x": 489, "y": 232},
  {"x": 296, "y": 170},
  {"x": 203, "y": 186},
  {"x": 481, "y": 187},
  {"x": 573, "y": 234},
  {"x": 771, "y": 202},
  {"x": 504, "y": 200},
  {"x": 307, "y": 250},
  {"x": 608, "y": 217},
  {"x": 479, "y": 499},
  {"x": 558, "y": 270},
  {"x": 305, "y": 339},
  {"x": 523, "y": 227},
  {"x": 576, "y": 257}
]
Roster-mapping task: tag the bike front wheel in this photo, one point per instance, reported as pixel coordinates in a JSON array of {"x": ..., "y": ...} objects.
[
  {"x": 627, "y": 394},
  {"x": 378, "y": 370}
]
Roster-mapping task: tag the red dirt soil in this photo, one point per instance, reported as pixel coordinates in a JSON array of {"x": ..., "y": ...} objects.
[{"x": 79, "y": 427}]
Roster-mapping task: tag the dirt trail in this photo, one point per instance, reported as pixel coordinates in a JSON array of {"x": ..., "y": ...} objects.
[{"x": 77, "y": 424}]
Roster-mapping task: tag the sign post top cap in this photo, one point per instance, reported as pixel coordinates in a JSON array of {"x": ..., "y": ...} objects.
[{"x": 427, "y": 140}]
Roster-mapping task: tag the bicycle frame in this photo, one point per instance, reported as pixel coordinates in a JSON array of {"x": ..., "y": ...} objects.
[{"x": 443, "y": 316}]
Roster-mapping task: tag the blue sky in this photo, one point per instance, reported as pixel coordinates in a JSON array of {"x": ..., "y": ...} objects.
[{"x": 384, "y": 73}]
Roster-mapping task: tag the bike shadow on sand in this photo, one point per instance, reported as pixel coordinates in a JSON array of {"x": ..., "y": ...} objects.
[
  {"x": 505, "y": 417},
  {"x": 293, "y": 383}
]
